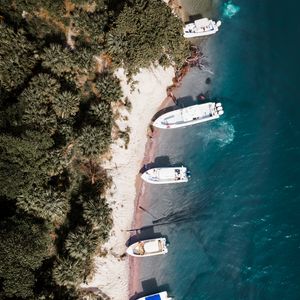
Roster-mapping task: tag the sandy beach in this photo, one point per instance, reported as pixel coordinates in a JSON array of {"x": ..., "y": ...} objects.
[{"x": 111, "y": 275}]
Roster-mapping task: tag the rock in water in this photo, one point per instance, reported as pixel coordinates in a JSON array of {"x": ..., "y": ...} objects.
[{"x": 230, "y": 9}]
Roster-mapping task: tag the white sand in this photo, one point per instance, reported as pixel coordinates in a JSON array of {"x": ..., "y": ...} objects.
[{"x": 112, "y": 272}]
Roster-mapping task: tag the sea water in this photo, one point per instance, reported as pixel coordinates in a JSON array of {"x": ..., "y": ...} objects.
[{"x": 234, "y": 227}]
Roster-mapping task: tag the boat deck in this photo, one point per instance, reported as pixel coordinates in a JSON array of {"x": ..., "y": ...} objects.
[
  {"x": 188, "y": 114},
  {"x": 166, "y": 174}
]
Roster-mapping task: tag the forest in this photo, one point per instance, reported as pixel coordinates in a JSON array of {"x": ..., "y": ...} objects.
[{"x": 57, "y": 88}]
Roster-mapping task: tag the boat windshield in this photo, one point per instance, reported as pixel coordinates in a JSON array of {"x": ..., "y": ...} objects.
[{"x": 153, "y": 297}]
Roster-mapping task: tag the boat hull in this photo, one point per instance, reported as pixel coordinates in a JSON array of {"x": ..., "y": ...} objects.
[
  {"x": 173, "y": 175},
  {"x": 173, "y": 126},
  {"x": 201, "y": 27},
  {"x": 151, "y": 247},
  {"x": 189, "y": 35},
  {"x": 187, "y": 116}
]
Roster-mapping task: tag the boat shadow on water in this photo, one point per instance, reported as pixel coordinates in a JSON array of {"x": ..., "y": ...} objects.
[
  {"x": 195, "y": 17},
  {"x": 181, "y": 216},
  {"x": 149, "y": 287},
  {"x": 144, "y": 233},
  {"x": 160, "y": 162}
]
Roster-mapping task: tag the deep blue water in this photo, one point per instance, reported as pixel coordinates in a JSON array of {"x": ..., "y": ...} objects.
[{"x": 234, "y": 228}]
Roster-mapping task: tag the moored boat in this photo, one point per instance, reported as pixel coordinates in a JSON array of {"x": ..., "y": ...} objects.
[
  {"x": 190, "y": 115},
  {"x": 158, "y": 296},
  {"x": 166, "y": 175},
  {"x": 201, "y": 27},
  {"x": 147, "y": 248}
]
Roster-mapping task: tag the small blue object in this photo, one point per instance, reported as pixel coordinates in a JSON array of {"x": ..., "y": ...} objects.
[{"x": 153, "y": 297}]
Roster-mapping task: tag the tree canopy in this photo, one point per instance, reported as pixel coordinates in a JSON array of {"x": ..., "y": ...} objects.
[
  {"x": 24, "y": 245},
  {"x": 57, "y": 87}
]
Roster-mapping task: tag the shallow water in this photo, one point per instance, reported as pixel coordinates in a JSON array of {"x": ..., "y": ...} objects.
[{"x": 234, "y": 228}]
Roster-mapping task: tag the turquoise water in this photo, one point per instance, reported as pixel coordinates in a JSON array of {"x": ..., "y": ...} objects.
[{"x": 234, "y": 228}]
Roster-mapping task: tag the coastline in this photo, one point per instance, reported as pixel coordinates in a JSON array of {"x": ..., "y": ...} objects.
[
  {"x": 150, "y": 94},
  {"x": 143, "y": 197},
  {"x": 112, "y": 269}
]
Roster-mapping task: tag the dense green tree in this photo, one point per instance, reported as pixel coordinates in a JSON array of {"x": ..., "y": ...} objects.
[
  {"x": 43, "y": 17},
  {"x": 17, "y": 57},
  {"x": 24, "y": 245},
  {"x": 35, "y": 103},
  {"x": 144, "y": 32},
  {"x": 100, "y": 114},
  {"x": 66, "y": 104},
  {"x": 58, "y": 59},
  {"x": 91, "y": 26},
  {"x": 92, "y": 141},
  {"x": 23, "y": 162},
  {"x": 108, "y": 87},
  {"x": 81, "y": 243},
  {"x": 57, "y": 85},
  {"x": 48, "y": 204},
  {"x": 73, "y": 65},
  {"x": 96, "y": 212},
  {"x": 68, "y": 272}
]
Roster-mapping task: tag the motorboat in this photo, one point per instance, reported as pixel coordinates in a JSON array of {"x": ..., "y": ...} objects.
[
  {"x": 201, "y": 27},
  {"x": 158, "y": 296},
  {"x": 147, "y": 248},
  {"x": 190, "y": 115},
  {"x": 166, "y": 175}
]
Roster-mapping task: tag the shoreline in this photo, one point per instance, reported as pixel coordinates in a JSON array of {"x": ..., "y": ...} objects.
[
  {"x": 111, "y": 265},
  {"x": 141, "y": 195},
  {"x": 149, "y": 155},
  {"x": 155, "y": 84}
]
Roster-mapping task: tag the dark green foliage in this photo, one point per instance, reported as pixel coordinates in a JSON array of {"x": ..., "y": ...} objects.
[
  {"x": 35, "y": 103},
  {"x": 58, "y": 59},
  {"x": 92, "y": 141},
  {"x": 73, "y": 65},
  {"x": 57, "y": 85},
  {"x": 146, "y": 32},
  {"x": 24, "y": 245},
  {"x": 16, "y": 58},
  {"x": 68, "y": 272},
  {"x": 96, "y": 212},
  {"x": 92, "y": 26},
  {"x": 44, "y": 17},
  {"x": 23, "y": 162},
  {"x": 66, "y": 104},
  {"x": 100, "y": 113},
  {"x": 82, "y": 243},
  {"x": 109, "y": 87},
  {"x": 47, "y": 204}
]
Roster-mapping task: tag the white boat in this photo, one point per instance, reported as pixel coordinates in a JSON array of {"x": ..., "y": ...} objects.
[
  {"x": 158, "y": 296},
  {"x": 147, "y": 248},
  {"x": 189, "y": 115},
  {"x": 201, "y": 27},
  {"x": 166, "y": 175}
]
